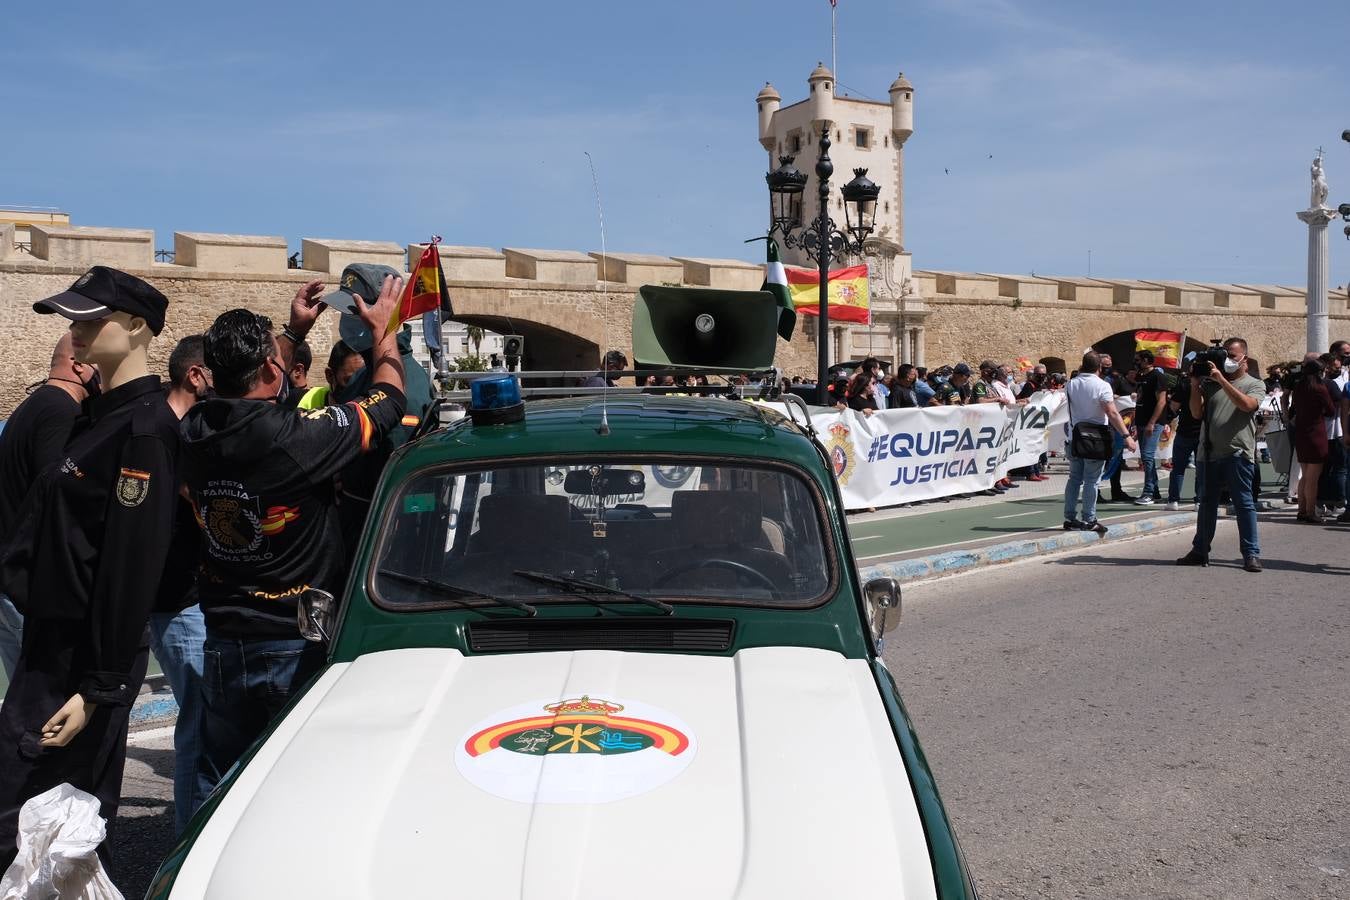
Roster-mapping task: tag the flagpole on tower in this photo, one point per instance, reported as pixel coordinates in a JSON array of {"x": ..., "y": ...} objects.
[{"x": 834, "y": 59}]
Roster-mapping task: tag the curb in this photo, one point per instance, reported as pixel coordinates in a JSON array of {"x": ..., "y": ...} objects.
[
  {"x": 153, "y": 708},
  {"x": 961, "y": 560}
]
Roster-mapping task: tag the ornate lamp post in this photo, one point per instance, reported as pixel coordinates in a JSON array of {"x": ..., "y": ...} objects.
[{"x": 822, "y": 239}]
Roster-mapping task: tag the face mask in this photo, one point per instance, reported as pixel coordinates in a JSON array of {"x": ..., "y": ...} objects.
[
  {"x": 94, "y": 385},
  {"x": 1009, "y": 379},
  {"x": 941, "y": 379},
  {"x": 1230, "y": 365}
]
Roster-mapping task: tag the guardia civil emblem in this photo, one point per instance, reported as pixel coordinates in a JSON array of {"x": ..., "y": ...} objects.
[
  {"x": 840, "y": 449},
  {"x": 132, "y": 487},
  {"x": 582, "y": 750}
]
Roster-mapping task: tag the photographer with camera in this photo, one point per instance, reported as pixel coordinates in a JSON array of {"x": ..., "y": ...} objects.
[{"x": 1225, "y": 399}]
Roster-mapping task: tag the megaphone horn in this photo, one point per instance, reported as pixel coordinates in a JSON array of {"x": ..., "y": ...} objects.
[{"x": 703, "y": 328}]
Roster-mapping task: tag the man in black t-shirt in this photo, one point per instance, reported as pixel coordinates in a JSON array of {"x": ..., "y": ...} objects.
[
  {"x": 1185, "y": 444},
  {"x": 1149, "y": 409},
  {"x": 33, "y": 439},
  {"x": 1115, "y": 465}
]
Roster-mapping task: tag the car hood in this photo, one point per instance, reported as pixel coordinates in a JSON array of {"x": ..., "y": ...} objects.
[{"x": 591, "y": 774}]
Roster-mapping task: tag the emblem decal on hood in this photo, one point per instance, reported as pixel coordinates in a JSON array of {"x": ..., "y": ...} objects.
[{"x": 596, "y": 751}]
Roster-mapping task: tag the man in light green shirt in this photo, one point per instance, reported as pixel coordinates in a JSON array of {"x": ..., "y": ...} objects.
[{"x": 1225, "y": 401}]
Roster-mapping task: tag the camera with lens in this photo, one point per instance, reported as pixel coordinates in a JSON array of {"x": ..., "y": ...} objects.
[{"x": 1210, "y": 356}]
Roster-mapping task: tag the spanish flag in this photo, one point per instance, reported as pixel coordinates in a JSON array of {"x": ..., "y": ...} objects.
[
  {"x": 425, "y": 290},
  {"x": 847, "y": 292},
  {"x": 1164, "y": 345}
]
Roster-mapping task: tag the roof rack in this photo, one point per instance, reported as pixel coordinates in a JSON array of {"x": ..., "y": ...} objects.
[{"x": 769, "y": 389}]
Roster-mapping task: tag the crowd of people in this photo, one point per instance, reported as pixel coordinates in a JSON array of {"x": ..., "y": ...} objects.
[{"x": 189, "y": 516}]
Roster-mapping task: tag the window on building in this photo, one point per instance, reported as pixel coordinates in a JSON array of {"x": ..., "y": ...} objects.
[
  {"x": 885, "y": 140},
  {"x": 862, "y": 138},
  {"x": 887, "y": 206},
  {"x": 795, "y": 142}
]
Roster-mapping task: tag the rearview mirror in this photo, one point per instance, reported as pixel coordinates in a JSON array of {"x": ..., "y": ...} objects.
[
  {"x": 314, "y": 615},
  {"x": 596, "y": 481},
  {"x": 882, "y": 596}
]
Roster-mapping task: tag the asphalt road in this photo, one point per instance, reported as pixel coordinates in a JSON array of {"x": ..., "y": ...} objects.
[
  {"x": 1102, "y": 724},
  {"x": 1105, "y": 724}
]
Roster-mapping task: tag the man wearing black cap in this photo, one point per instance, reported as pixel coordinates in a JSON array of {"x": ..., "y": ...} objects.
[
  {"x": 358, "y": 480},
  {"x": 84, "y": 563},
  {"x": 261, "y": 479},
  {"x": 614, "y": 361}
]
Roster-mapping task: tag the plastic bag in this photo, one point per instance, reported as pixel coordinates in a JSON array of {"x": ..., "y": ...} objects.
[{"x": 59, "y": 834}]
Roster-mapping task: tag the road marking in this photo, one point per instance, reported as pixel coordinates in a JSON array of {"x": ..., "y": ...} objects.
[
  {"x": 149, "y": 736},
  {"x": 1020, "y": 515},
  {"x": 873, "y": 537}
]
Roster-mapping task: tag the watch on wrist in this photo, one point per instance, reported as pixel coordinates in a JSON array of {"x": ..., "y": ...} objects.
[{"x": 290, "y": 334}]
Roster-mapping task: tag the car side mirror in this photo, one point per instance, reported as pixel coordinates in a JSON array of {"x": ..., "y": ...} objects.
[
  {"x": 314, "y": 615},
  {"x": 882, "y": 596}
]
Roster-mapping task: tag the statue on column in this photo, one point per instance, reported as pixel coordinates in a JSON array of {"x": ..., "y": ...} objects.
[{"x": 1319, "y": 184}]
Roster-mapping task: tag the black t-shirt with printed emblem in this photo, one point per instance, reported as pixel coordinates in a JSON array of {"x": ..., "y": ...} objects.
[
  {"x": 95, "y": 530},
  {"x": 260, "y": 477}
]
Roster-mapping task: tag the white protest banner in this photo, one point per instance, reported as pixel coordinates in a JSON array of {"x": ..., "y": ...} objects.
[{"x": 902, "y": 455}]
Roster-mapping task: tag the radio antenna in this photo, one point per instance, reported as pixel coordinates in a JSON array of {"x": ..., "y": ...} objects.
[{"x": 604, "y": 291}]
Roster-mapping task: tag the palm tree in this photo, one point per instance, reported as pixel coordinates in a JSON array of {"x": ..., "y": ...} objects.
[{"x": 475, "y": 335}]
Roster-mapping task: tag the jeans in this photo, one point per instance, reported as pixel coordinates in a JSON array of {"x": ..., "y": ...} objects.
[
  {"x": 1183, "y": 449},
  {"x": 1083, "y": 477},
  {"x": 1148, "y": 455},
  {"x": 1235, "y": 474},
  {"x": 245, "y": 684},
  {"x": 11, "y": 636},
  {"x": 176, "y": 639}
]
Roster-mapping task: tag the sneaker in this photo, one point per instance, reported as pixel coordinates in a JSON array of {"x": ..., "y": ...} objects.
[
  {"x": 1073, "y": 525},
  {"x": 1144, "y": 501},
  {"x": 1121, "y": 498},
  {"x": 1173, "y": 505},
  {"x": 1193, "y": 559},
  {"x": 1251, "y": 563},
  {"x": 1096, "y": 526}
]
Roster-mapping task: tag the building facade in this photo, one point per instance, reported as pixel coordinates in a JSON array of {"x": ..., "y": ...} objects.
[{"x": 864, "y": 134}]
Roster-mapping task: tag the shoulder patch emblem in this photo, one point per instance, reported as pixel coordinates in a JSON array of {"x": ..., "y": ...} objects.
[{"x": 132, "y": 487}]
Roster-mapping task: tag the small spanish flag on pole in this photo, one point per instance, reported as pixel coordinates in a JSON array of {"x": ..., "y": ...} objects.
[
  {"x": 426, "y": 290},
  {"x": 848, "y": 292},
  {"x": 1164, "y": 345}
]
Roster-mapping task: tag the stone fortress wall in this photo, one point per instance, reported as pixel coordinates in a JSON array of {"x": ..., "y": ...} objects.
[{"x": 570, "y": 304}]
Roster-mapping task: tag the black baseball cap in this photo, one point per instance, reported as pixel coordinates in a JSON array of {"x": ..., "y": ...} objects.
[
  {"x": 961, "y": 369},
  {"x": 102, "y": 291},
  {"x": 366, "y": 279}
]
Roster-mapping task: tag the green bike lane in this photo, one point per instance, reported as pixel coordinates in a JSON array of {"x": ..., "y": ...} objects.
[{"x": 930, "y": 527}]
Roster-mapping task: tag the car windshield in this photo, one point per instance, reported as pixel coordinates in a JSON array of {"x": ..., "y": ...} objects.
[{"x": 605, "y": 532}]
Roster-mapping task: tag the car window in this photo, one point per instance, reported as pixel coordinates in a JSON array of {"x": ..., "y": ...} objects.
[{"x": 703, "y": 531}]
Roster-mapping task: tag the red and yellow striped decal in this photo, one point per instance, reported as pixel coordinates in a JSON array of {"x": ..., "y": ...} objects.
[
  {"x": 367, "y": 427},
  {"x": 667, "y": 739}
]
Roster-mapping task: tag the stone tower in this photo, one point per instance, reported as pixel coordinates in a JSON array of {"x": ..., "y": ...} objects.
[{"x": 865, "y": 133}]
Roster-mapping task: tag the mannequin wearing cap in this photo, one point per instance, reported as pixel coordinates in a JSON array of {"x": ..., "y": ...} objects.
[{"x": 84, "y": 564}]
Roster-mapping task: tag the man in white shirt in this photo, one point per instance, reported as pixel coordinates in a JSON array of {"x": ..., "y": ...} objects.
[{"x": 1090, "y": 401}]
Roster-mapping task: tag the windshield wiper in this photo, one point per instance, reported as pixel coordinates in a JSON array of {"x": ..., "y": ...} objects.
[
  {"x": 581, "y": 586},
  {"x": 459, "y": 593}
]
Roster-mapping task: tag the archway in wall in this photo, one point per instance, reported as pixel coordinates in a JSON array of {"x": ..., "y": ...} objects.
[
  {"x": 1120, "y": 346},
  {"x": 546, "y": 347},
  {"x": 1054, "y": 365}
]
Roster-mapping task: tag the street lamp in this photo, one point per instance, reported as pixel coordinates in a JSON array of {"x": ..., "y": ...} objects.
[{"x": 822, "y": 239}]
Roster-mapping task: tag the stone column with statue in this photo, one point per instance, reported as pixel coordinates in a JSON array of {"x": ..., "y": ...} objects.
[{"x": 1317, "y": 216}]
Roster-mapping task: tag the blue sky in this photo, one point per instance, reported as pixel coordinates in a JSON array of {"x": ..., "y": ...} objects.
[{"x": 1170, "y": 139}]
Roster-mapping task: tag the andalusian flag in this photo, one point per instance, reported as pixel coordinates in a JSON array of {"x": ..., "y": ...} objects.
[
  {"x": 425, "y": 290},
  {"x": 1164, "y": 345},
  {"x": 776, "y": 283},
  {"x": 847, "y": 292}
]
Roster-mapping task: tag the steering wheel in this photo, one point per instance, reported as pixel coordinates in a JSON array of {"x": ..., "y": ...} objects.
[{"x": 728, "y": 564}]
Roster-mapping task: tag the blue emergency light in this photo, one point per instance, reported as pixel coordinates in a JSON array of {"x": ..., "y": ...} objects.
[{"x": 495, "y": 400}]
